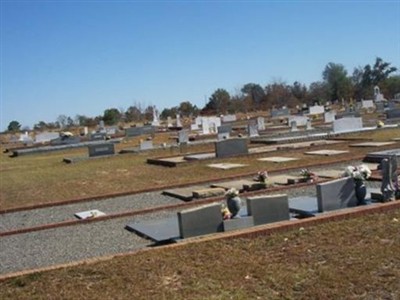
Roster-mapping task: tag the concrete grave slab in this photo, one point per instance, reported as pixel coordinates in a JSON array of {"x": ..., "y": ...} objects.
[
  {"x": 303, "y": 206},
  {"x": 226, "y": 166},
  {"x": 336, "y": 194},
  {"x": 238, "y": 223},
  {"x": 278, "y": 159},
  {"x": 94, "y": 213},
  {"x": 157, "y": 230},
  {"x": 372, "y": 144},
  {"x": 208, "y": 192},
  {"x": 200, "y": 156},
  {"x": 330, "y": 173},
  {"x": 237, "y": 184},
  {"x": 201, "y": 220},
  {"x": 376, "y": 157},
  {"x": 282, "y": 179},
  {"x": 268, "y": 208},
  {"x": 326, "y": 152},
  {"x": 184, "y": 193}
]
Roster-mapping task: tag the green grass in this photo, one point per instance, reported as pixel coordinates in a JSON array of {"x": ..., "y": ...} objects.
[{"x": 358, "y": 258}]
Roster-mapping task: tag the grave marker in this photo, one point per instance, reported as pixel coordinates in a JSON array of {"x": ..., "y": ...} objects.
[
  {"x": 231, "y": 147},
  {"x": 101, "y": 149}
]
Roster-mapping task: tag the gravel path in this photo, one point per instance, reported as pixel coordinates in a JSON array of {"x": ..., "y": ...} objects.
[{"x": 66, "y": 244}]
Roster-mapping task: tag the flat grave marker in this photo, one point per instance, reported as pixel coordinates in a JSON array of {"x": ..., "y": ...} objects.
[
  {"x": 94, "y": 213},
  {"x": 237, "y": 184},
  {"x": 372, "y": 144},
  {"x": 278, "y": 159},
  {"x": 226, "y": 166},
  {"x": 326, "y": 152},
  {"x": 184, "y": 193}
]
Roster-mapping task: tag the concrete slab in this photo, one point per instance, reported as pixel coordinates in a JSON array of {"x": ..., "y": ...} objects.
[
  {"x": 303, "y": 206},
  {"x": 282, "y": 179},
  {"x": 278, "y": 159},
  {"x": 330, "y": 173},
  {"x": 326, "y": 152},
  {"x": 94, "y": 213},
  {"x": 372, "y": 144},
  {"x": 200, "y": 156},
  {"x": 161, "y": 230},
  {"x": 208, "y": 192},
  {"x": 226, "y": 166},
  {"x": 237, "y": 184},
  {"x": 184, "y": 193}
]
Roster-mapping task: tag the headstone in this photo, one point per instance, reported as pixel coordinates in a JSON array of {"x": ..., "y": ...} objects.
[
  {"x": 280, "y": 112},
  {"x": 178, "y": 121},
  {"x": 309, "y": 125},
  {"x": 194, "y": 126},
  {"x": 228, "y": 118},
  {"x": 389, "y": 178},
  {"x": 137, "y": 131},
  {"x": 111, "y": 130},
  {"x": 367, "y": 104},
  {"x": 169, "y": 122},
  {"x": 101, "y": 125},
  {"x": 146, "y": 145},
  {"x": 200, "y": 220},
  {"x": 223, "y": 136},
  {"x": 268, "y": 208},
  {"x": 65, "y": 140},
  {"x": 156, "y": 121},
  {"x": 393, "y": 113},
  {"x": 329, "y": 116},
  {"x": 231, "y": 147},
  {"x": 101, "y": 149},
  {"x": 261, "y": 123},
  {"x": 378, "y": 97},
  {"x": 183, "y": 136},
  {"x": 85, "y": 131},
  {"x": 293, "y": 126},
  {"x": 300, "y": 120},
  {"x": 252, "y": 129},
  {"x": 336, "y": 194},
  {"x": 45, "y": 137},
  {"x": 347, "y": 124},
  {"x": 205, "y": 125},
  {"x": 98, "y": 136},
  {"x": 380, "y": 107},
  {"x": 224, "y": 129},
  {"x": 316, "y": 109}
]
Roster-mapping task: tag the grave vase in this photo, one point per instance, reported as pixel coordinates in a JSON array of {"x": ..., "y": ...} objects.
[
  {"x": 234, "y": 204},
  {"x": 361, "y": 192}
]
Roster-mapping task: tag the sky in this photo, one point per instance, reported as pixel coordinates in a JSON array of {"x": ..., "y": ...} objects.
[{"x": 83, "y": 57}]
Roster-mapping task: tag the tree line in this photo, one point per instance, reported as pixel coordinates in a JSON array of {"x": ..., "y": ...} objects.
[{"x": 336, "y": 84}]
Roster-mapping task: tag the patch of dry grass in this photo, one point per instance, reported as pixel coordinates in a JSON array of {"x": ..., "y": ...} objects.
[
  {"x": 44, "y": 178},
  {"x": 357, "y": 258}
]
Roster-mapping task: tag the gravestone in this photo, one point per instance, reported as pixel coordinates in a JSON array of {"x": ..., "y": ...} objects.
[
  {"x": 300, "y": 120},
  {"x": 229, "y": 118},
  {"x": 347, "y": 124},
  {"x": 293, "y": 126},
  {"x": 200, "y": 220},
  {"x": 261, "y": 123},
  {"x": 389, "y": 178},
  {"x": 329, "y": 116},
  {"x": 393, "y": 113},
  {"x": 146, "y": 145},
  {"x": 178, "y": 121},
  {"x": 194, "y": 126},
  {"x": 65, "y": 140},
  {"x": 224, "y": 129},
  {"x": 376, "y": 157},
  {"x": 280, "y": 112},
  {"x": 380, "y": 107},
  {"x": 169, "y": 122},
  {"x": 231, "y": 147},
  {"x": 367, "y": 104},
  {"x": 378, "y": 97},
  {"x": 205, "y": 125},
  {"x": 336, "y": 194},
  {"x": 98, "y": 136},
  {"x": 316, "y": 109},
  {"x": 309, "y": 125},
  {"x": 156, "y": 120},
  {"x": 223, "y": 136},
  {"x": 46, "y": 137},
  {"x": 268, "y": 208},
  {"x": 252, "y": 129},
  {"x": 183, "y": 136},
  {"x": 101, "y": 149}
]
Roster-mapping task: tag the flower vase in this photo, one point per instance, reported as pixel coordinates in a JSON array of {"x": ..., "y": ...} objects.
[
  {"x": 361, "y": 192},
  {"x": 234, "y": 205}
]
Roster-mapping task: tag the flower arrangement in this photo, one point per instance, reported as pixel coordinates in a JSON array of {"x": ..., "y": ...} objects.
[
  {"x": 226, "y": 214},
  {"x": 231, "y": 193},
  {"x": 262, "y": 176},
  {"x": 307, "y": 174},
  {"x": 361, "y": 172}
]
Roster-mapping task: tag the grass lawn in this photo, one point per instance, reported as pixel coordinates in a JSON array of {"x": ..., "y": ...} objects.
[
  {"x": 357, "y": 258},
  {"x": 44, "y": 178}
]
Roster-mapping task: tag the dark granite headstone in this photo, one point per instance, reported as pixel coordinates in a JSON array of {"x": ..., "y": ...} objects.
[
  {"x": 65, "y": 140},
  {"x": 231, "y": 147},
  {"x": 376, "y": 157},
  {"x": 224, "y": 129},
  {"x": 200, "y": 220},
  {"x": 268, "y": 209},
  {"x": 98, "y": 136},
  {"x": 136, "y": 131},
  {"x": 336, "y": 194},
  {"x": 101, "y": 149},
  {"x": 393, "y": 113}
]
